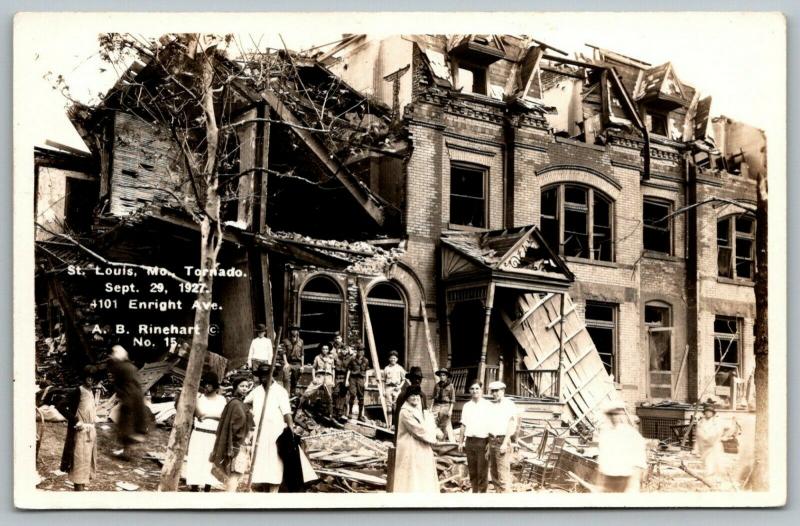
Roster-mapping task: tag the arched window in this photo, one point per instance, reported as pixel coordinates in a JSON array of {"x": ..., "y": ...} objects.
[
  {"x": 736, "y": 239},
  {"x": 321, "y": 307},
  {"x": 577, "y": 221},
  {"x": 387, "y": 313},
  {"x": 658, "y": 320}
]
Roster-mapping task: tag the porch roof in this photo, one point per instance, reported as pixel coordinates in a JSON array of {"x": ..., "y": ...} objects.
[{"x": 516, "y": 258}]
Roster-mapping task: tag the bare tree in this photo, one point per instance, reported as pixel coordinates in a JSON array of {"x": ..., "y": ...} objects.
[{"x": 760, "y": 479}]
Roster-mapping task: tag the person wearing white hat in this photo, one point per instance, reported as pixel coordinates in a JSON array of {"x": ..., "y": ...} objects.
[
  {"x": 501, "y": 427},
  {"x": 621, "y": 456}
]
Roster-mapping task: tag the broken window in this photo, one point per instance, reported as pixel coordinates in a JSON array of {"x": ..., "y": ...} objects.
[
  {"x": 736, "y": 247},
  {"x": 602, "y": 327},
  {"x": 468, "y": 195},
  {"x": 657, "y": 319},
  {"x": 726, "y": 349},
  {"x": 470, "y": 79},
  {"x": 586, "y": 230},
  {"x": 657, "y": 235},
  {"x": 321, "y": 307}
]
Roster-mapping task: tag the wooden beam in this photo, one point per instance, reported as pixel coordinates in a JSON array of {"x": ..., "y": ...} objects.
[
  {"x": 373, "y": 351},
  {"x": 485, "y": 342},
  {"x": 558, "y": 320},
  {"x": 428, "y": 341},
  {"x": 530, "y": 311},
  {"x": 336, "y": 168}
]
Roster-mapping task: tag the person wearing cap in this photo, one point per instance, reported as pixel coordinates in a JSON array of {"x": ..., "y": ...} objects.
[
  {"x": 260, "y": 348},
  {"x": 267, "y": 466},
  {"x": 355, "y": 381},
  {"x": 324, "y": 362},
  {"x": 475, "y": 438},
  {"x": 79, "y": 457},
  {"x": 413, "y": 378},
  {"x": 501, "y": 427},
  {"x": 132, "y": 419},
  {"x": 415, "y": 463},
  {"x": 340, "y": 358},
  {"x": 444, "y": 396},
  {"x": 231, "y": 451},
  {"x": 207, "y": 412},
  {"x": 393, "y": 377},
  {"x": 317, "y": 401},
  {"x": 295, "y": 356},
  {"x": 621, "y": 453},
  {"x": 709, "y": 433}
]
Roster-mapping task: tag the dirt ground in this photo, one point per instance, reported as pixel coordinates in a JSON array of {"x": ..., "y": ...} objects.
[{"x": 142, "y": 472}]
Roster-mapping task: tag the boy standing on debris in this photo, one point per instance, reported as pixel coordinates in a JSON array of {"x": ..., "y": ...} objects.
[
  {"x": 621, "y": 452},
  {"x": 79, "y": 458},
  {"x": 340, "y": 360},
  {"x": 324, "y": 362},
  {"x": 357, "y": 369},
  {"x": 501, "y": 427},
  {"x": 444, "y": 396},
  {"x": 295, "y": 356},
  {"x": 474, "y": 437},
  {"x": 260, "y": 348},
  {"x": 393, "y": 377}
]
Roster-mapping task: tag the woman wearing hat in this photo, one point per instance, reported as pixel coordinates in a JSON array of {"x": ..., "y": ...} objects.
[
  {"x": 709, "y": 433},
  {"x": 231, "y": 451},
  {"x": 413, "y": 378},
  {"x": 260, "y": 348},
  {"x": 208, "y": 410},
  {"x": 415, "y": 464},
  {"x": 79, "y": 458}
]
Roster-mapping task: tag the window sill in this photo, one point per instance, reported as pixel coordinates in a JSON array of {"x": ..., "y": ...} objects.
[
  {"x": 466, "y": 228},
  {"x": 597, "y": 262},
  {"x": 651, "y": 254},
  {"x": 736, "y": 281}
]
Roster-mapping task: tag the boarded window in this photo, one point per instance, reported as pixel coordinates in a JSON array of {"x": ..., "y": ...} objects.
[
  {"x": 727, "y": 350},
  {"x": 736, "y": 247},
  {"x": 657, "y": 319},
  {"x": 602, "y": 327},
  {"x": 657, "y": 236},
  {"x": 467, "y": 195},
  {"x": 577, "y": 221}
]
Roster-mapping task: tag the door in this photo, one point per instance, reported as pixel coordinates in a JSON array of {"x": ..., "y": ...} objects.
[{"x": 660, "y": 361}]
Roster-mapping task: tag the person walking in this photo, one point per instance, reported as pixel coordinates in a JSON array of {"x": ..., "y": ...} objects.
[
  {"x": 444, "y": 396},
  {"x": 231, "y": 451},
  {"x": 501, "y": 428},
  {"x": 79, "y": 457},
  {"x": 415, "y": 464},
  {"x": 709, "y": 433},
  {"x": 475, "y": 438},
  {"x": 207, "y": 413},
  {"x": 621, "y": 454},
  {"x": 260, "y": 351},
  {"x": 132, "y": 420}
]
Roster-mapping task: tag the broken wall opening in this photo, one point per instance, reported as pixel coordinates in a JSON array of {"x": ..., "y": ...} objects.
[
  {"x": 388, "y": 315},
  {"x": 321, "y": 302}
]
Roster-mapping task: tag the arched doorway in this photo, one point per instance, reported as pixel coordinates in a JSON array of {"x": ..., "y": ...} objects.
[
  {"x": 321, "y": 307},
  {"x": 387, "y": 313}
]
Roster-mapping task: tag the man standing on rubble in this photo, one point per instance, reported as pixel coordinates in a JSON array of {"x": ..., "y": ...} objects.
[
  {"x": 340, "y": 360},
  {"x": 295, "y": 356},
  {"x": 444, "y": 396},
  {"x": 475, "y": 438},
  {"x": 621, "y": 455},
  {"x": 393, "y": 377},
  {"x": 260, "y": 348},
  {"x": 132, "y": 419},
  {"x": 355, "y": 381},
  {"x": 501, "y": 428},
  {"x": 324, "y": 362}
]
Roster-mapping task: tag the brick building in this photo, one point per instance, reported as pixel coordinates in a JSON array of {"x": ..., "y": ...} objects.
[{"x": 487, "y": 170}]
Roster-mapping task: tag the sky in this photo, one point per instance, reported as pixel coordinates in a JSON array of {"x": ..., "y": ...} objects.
[{"x": 738, "y": 59}]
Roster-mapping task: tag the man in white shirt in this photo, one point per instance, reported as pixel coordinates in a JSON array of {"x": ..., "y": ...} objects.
[
  {"x": 501, "y": 427},
  {"x": 475, "y": 437},
  {"x": 260, "y": 348},
  {"x": 393, "y": 377},
  {"x": 621, "y": 455}
]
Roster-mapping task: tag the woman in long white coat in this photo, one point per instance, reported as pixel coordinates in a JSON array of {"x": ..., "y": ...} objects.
[
  {"x": 415, "y": 464},
  {"x": 267, "y": 466},
  {"x": 207, "y": 411}
]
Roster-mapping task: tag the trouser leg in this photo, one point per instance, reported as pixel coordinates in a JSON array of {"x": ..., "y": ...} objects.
[
  {"x": 500, "y": 464},
  {"x": 232, "y": 483}
]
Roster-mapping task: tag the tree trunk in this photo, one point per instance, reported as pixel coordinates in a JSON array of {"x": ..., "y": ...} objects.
[
  {"x": 211, "y": 239},
  {"x": 760, "y": 476}
]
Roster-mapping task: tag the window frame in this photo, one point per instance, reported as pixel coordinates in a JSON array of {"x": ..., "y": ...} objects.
[
  {"x": 736, "y": 336},
  {"x": 484, "y": 171},
  {"x": 734, "y": 235},
  {"x": 472, "y": 68},
  {"x": 561, "y": 207},
  {"x": 605, "y": 324},
  {"x": 669, "y": 205}
]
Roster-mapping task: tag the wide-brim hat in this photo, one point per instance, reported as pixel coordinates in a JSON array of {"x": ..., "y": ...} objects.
[
  {"x": 260, "y": 327},
  {"x": 709, "y": 405},
  {"x": 414, "y": 372},
  {"x": 443, "y": 371}
]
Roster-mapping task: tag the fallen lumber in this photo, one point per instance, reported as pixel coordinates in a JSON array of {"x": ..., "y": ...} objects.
[
  {"x": 592, "y": 488},
  {"x": 353, "y": 475}
]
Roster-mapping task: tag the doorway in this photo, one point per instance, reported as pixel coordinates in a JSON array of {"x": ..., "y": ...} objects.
[
  {"x": 321, "y": 307},
  {"x": 387, "y": 313}
]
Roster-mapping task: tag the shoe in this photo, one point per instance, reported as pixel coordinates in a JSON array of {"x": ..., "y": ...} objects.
[{"x": 361, "y": 418}]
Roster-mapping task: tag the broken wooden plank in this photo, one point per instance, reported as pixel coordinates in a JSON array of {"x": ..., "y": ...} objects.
[
  {"x": 353, "y": 475},
  {"x": 373, "y": 351},
  {"x": 531, "y": 310},
  {"x": 428, "y": 341}
]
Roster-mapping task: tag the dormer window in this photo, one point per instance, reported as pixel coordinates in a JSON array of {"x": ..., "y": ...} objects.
[{"x": 470, "y": 78}]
